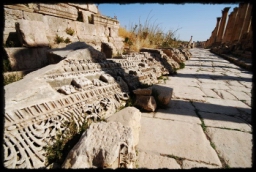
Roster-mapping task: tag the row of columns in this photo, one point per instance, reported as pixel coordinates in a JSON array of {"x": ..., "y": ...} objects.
[{"x": 236, "y": 28}]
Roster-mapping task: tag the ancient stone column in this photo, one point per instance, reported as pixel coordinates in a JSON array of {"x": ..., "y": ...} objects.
[
  {"x": 239, "y": 22},
  {"x": 228, "y": 27},
  {"x": 231, "y": 27},
  {"x": 222, "y": 25},
  {"x": 206, "y": 43},
  {"x": 216, "y": 30},
  {"x": 210, "y": 40},
  {"x": 246, "y": 21},
  {"x": 214, "y": 34}
]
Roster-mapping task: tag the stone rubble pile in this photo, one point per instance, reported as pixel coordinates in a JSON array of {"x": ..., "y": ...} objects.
[{"x": 80, "y": 84}]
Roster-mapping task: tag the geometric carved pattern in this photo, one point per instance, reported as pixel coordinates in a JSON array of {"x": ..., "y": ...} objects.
[{"x": 91, "y": 90}]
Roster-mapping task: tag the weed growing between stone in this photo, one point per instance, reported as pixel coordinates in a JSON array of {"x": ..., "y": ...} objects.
[
  {"x": 179, "y": 160},
  {"x": 58, "y": 39},
  {"x": 12, "y": 78},
  {"x": 70, "y": 31},
  {"x": 6, "y": 65},
  {"x": 67, "y": 40},
  {"x": 64, "y": 142},
  {"x": 182, "y": 65},
  {"x": 164, "y": 78},
  {"x": 223, "y": 162}
]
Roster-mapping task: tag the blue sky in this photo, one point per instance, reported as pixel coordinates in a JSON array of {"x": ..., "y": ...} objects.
[{"x": 197, "y": 20}]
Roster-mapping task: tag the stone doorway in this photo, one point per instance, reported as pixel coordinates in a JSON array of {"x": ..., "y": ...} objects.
[{"x": 107, "y": 50}]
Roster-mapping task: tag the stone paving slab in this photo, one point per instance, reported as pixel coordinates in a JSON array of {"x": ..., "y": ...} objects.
[
  {"x": 187, "y": 70},
  {"x": 234, "y": 146},
  {"x": 184, "y": 115},
  {"x": 218, "y": 86},
  {"x": 189, "y": 93},
  {"x": 248, "y": 102},
  {"x": 192, "y": 164},
  {"x": 180, "y": 104},
  {"x": 242, "y": 89},
  {"x": 224, "y": 94},
  {"x": 177, "y": 81},
  {"x": 156, "y": 161},
  {"x": 246, "y": 84},
  {"x": 216, "y": 106},
  {"x": 234, "y": 83},
  {"x": 225, "y": 121},
  {"x": 239, "y": 95},
  {"x": 148, "y": 114},
  {"x": 245, "y": 75},
  {"x": 176, "y": 138},
  {"x": 231, "y": 103},
  {"x": 210, "y": 93}
]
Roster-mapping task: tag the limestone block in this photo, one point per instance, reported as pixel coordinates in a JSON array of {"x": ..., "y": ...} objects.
[
  {"x": 173, "y": 55},
  {"x": 60, "y": 10},
  {"x": 85, "y": 32},
  {"x": 33, "y": 16},
  {"x": 102, "y": 31},
  {"x": 81, "y": 82},
  {"x": 81, "y": 6},
  {"x": 67, "y": 89},
  {"x": 147, "y": 103},
  {"x": 107, "y": 78},
  {"x": 87, "y": 53},
  {"x": 82, "y": 51},
  {"x": 173, "y": 63},
  {"x": 23, "y": 7},
  {"x": 27, "y": 58},
  {"x": 93, "y": 8},
  {"x": 144, "y": 92},
  {"x": 31, "y": 33},
  {"x": 10, "y": 16},
  {"x": 103, "y": 145},
  {"x": 130, "y": 117},
  {"x": 164, "y": 94},
  {"x": 55, "y": 24},
  {"x": 85, "y": 15}
]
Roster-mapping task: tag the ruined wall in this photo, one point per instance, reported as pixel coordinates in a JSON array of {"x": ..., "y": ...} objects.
[
  {"x": 234, "y": 34},
  {"x": 82, "y": 85},
  {"x": 37, "y": 25}
]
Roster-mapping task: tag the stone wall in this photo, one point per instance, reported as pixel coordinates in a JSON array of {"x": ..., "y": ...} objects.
[
  {"x": 37, "y": 25},
  {"x": 235, "y": 34}
]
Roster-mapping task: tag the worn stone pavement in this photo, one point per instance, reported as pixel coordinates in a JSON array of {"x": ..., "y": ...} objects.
[{"x": 207, "y": 124}]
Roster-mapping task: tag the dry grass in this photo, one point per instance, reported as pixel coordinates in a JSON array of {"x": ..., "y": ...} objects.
[{"x": 148, "y": 35}]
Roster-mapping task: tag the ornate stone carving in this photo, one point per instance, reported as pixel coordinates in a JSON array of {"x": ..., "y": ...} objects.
[
  {"x": 102, "y": 145},
  {"x": 83, "y": 85}
]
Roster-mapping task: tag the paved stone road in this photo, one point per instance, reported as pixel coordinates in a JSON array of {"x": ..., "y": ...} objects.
[{"x": 208, "y": 121}]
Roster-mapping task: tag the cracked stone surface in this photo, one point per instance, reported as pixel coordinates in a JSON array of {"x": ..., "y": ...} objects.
[
  {"x": 220, "y": 92},
  {"x": 225, "y": 121},
  {"x": 184, "y": 115},
  {"x": 234, "y": 146},
  {"x": 192, "y": 164},
  {"x": 189, "y": 93},
  {"x": 176, "y": 138},
  {"x": 156, "y": 161}
]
